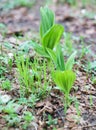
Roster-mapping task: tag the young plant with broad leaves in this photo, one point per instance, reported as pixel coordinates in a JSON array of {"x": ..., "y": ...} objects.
[
  {"x": 50, "y": 33},
  {"x": 64, "y": 80},
  {"x": 63, "y": 76}
]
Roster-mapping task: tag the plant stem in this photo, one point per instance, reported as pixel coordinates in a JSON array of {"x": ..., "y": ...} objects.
[{"x": 66, "y": 102}]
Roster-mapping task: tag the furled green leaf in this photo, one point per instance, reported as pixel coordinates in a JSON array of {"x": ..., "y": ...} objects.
[
  {"x": 60, "y": 58},
  {"x": 47, "y": 20},
  {"x": 57, "y": 58},
  {"x": 70, "y": 62},
  {"x": 52, "y": 37},
  {"x": 52, "y": 55},
  {"x": 64, "y": 80},
  {"x": 39, "y": 49}
]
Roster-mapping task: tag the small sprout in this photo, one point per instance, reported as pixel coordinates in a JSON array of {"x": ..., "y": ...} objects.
[
  {"x": 12, "y": 119},
  {"x": 9, "y": 108},
  {"x": 65, "y": 81},
  {"x": 91, "y": 100},
  {"x": 94, "y": 81},
  {"x": 28, "y": 117},
  {"x": 51, "y": 121},
  {"x": 68, "y": 43},
  {"x": 6, "y": 85},
  {"x": 77, "y": 103},
  {"x": 25, "y": 77}
]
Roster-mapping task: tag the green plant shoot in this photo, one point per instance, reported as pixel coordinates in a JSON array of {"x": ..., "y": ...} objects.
[
  {"x": 47, "y": 20},
  {"x": 64, "y": 80},
  {"x": 58, "y": 59},
  {"x": 50, "y": 33}
]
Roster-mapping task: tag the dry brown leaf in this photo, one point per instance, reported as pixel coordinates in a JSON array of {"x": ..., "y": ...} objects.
[{"x": 40, "y": 104}]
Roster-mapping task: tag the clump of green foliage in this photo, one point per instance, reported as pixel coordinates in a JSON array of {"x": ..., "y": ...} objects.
[
  {"x": 8, "y": 4},
  {"x": 71, "y": 2},
  {"x": 50, "y": 34},
  {"x": 32, "y": 76},
  {"x": 25, "y": 78},
  {"x": 83, "y": 3},
  {"x": 6, "y": 85}
]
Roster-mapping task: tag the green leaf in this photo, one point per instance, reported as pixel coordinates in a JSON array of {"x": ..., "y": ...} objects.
[
  {"x": 47, "y": 20},
  {"x": 52, "y": 37},
  {"x": 92, "y": 65},
  {"x": 57, "y": 58},
  {"x": 60, "y": 58},
  {"x": 64, "y": 80},
  {"x": 7, "y": 45},
  {"x": 52, "y": 55},
  {"x": 39, "y": 49},
  {"x": 70, "y": 62}
]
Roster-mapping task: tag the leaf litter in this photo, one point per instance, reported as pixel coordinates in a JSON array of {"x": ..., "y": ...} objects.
[{"x": 21, "y": 21}]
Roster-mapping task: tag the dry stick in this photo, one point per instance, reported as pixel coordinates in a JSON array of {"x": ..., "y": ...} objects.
[
  {"x": 60, "y": 114},
  {"x": 88, "y": 126}
]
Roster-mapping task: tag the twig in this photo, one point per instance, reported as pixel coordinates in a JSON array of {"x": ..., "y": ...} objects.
[
  {"x": 88, "y": 126},
  {"x": 60, "y": 114}
]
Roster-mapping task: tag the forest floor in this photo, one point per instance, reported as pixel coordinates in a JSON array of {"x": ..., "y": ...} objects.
[{"x": 21, "y": 24}]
